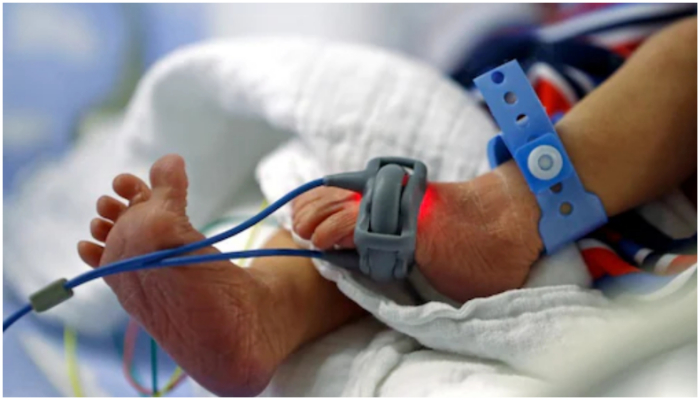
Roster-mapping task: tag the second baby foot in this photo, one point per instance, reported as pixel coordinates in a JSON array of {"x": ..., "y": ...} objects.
[{"x": 474, "y": 239}]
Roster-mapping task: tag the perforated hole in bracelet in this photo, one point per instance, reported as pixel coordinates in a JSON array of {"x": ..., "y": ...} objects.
[
  {"x": 497, "y": 77},
  {"x": 521, "y": 119},
  {"x": 566, "y": 208}
]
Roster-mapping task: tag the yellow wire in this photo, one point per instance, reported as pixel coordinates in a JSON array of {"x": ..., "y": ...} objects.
[
  {"x": 178, "y": 371},
  {"x": 171, "y": 382},
  {"x": 253, "y": 232},
  {"x": 70, "y": 341}
]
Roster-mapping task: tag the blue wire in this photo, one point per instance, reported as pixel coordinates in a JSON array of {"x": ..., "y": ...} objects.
[
  {"x": 159, "y": 255},
  {"x": 163, "y": 258},
  {"x": 172, "y": 262},
  {"x": 17, "y": 315},
  {"x": 188, "y": 260}
]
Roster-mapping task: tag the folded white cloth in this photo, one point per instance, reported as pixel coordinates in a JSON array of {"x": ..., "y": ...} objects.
[{"x": 225, "y": 105}]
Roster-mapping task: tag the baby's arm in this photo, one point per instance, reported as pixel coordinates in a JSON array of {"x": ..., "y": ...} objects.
[{"x": 635, "y": 137}]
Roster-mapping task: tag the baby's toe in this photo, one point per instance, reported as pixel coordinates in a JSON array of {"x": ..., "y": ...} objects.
[
  {"x": 320, "y": 204},
  {"x": 337, "y": 229},
  {"x": 131, "y": 188},
  {"x": 169, "y": 181},
  {"x": 312, "y": 195},
  {"x": 308, "y": 218},
  {"x": 90, "y": 253},
  {"x": 348, "y": 242},
  {"x": 110, "y": 208},
  {"x": 99, "y": 229}
]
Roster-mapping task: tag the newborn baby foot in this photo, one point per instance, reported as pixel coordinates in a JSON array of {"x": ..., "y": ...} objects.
[
  {"x": 217, "y": 320},
  {"x": 474, "y": 239}
]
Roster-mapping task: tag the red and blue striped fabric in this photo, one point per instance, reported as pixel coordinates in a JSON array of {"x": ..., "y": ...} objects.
[{"x": 567, "y": 58}]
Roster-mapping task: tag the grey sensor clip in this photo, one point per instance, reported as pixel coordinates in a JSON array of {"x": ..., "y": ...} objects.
[{"x": 392, "y": 190}]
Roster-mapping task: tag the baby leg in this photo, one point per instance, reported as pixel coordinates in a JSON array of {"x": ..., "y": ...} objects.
[
  {"x": 476, "y": 238},
  {"x": 228, "y": 327}
]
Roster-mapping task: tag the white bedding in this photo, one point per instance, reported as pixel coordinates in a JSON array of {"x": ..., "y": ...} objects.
[{"x": 225, "y": 105}]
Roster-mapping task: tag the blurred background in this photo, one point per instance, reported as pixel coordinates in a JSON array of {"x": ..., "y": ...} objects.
[{"x": 70, "y": 68}]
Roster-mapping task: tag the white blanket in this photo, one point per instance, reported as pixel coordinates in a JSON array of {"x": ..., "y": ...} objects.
[{"x": 225, "y": 105}]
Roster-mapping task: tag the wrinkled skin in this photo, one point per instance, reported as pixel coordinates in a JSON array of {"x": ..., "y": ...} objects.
[
  {"x": 213, "y": 319},
  {"x": 474, "y": 239}
]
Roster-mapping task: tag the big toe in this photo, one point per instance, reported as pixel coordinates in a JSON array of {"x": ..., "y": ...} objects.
[
  {"x": 169, "y": 181},
  {"x": 337, "y": 229}
]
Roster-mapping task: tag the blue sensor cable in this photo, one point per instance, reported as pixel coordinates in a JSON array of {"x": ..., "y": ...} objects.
[
  {"x": 17, "y": 315},
  {"x": 159, "y": 255},
  {"x": 166, "y": 258},
  {"x": 187, "y": 260}
]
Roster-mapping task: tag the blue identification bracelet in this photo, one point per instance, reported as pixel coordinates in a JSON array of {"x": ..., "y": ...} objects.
[{"x": 568, "y": 211}]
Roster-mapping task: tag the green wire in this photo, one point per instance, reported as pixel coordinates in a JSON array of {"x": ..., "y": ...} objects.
[{"x": 154, "y": 367}]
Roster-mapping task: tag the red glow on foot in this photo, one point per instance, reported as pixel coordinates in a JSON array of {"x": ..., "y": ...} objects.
[{"x": 427, "y": 204}]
